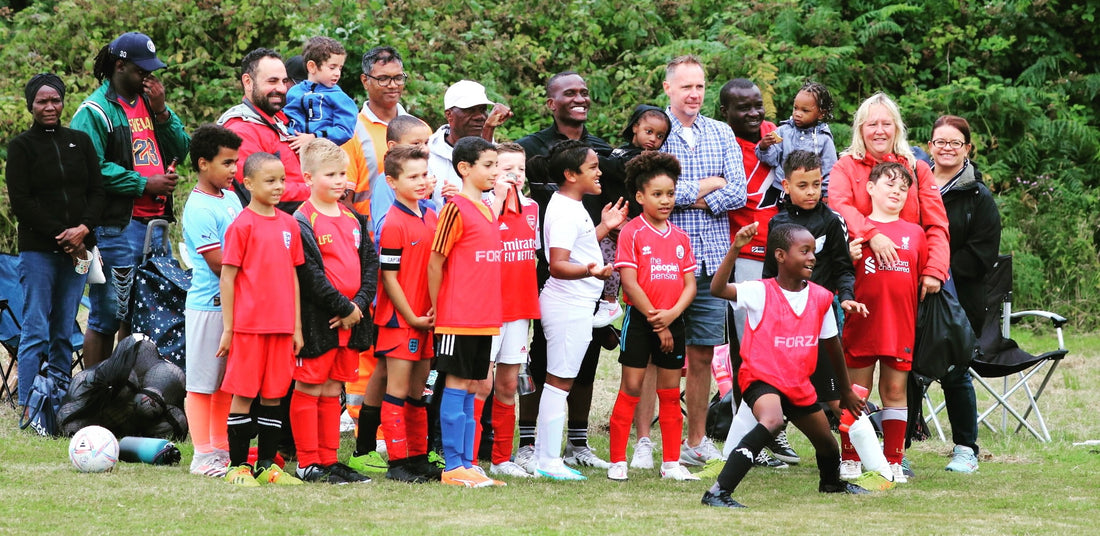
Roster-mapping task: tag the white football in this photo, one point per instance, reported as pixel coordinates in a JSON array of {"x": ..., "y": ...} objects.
[{"x": 93, "y": 449}]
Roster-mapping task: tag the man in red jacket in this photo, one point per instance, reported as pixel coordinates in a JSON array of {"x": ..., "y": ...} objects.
[{"x": 260, "y": 122}]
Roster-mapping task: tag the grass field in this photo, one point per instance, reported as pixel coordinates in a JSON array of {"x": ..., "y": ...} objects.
[{"x": 1023, "y": 487}]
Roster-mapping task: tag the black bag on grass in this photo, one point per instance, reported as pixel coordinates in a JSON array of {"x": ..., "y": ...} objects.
[
  {"x": 720, "y": 416},
  {"x": 945, "y": 339}
]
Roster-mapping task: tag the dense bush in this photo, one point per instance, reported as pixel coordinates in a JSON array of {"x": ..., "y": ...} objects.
[{"x": 1024, "y": 73}]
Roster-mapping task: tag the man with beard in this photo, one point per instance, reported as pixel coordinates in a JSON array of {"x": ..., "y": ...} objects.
[
  {"x": 137, "y": 137},
  {"x": 262, "y": 126},
  {"x": 568, "y": 101},
  {"x": 466, "y": 108}
]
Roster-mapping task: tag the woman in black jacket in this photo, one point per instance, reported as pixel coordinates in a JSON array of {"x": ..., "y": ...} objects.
[
  {"x": 56, "y": 194},
  {"x": 975, "y": 229}
]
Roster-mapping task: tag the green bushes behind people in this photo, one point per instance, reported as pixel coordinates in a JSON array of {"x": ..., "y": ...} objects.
[{"x": 1024, "y": 73}]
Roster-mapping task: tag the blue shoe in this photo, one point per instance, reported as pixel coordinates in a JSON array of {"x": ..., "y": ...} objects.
[
  {"x": 557, "y": 470},
  {"x": 963, "y": 460}
]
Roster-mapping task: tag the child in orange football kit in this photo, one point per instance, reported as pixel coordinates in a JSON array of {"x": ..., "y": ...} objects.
[{"x": 466, "y": 248}]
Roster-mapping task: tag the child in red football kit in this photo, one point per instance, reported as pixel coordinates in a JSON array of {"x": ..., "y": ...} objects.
[
  {"x": 338, "y": 282},
  {"x": 262, "y": 328},
  {"x": 787, "y": 318},
  {"x": 466, "y": 253},
  {"x": 658, "y": 275},
  {"x": 519, "y": 233},
  {"x": 891, "y": 295},
  {"x": 404, "y": 314}
]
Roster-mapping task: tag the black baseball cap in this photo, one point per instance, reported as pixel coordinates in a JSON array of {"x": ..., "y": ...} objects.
[{"x": 137, "y": 48}]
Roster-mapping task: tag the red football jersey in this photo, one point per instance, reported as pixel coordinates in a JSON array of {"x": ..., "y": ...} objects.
[
  {"x": 661, "y": 258},
  {"x": 265, "y": 249},
  {"x": 761, "y": 197},
  {"x": 469, "y": 295},
  {"x": 339, "y": 239},
  {"x": 890, "y": 295},
  {"x": 782, "y": 350},
  {"x": 519, "y": 280},
  {"x": 405, "y": 245}
]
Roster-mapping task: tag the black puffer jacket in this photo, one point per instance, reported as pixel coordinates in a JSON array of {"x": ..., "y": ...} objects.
[
  {"x": 834, "y": 269},
  {"x": 975, "y": 227},
  {"x": 320, "y": 301}
]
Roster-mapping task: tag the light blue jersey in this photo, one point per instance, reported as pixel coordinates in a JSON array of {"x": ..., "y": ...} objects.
[{"x": 205, "y": 220}]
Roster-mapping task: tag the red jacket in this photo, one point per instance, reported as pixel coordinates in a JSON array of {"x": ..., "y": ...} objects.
[
  {"x": 262, "y": 133},
  {"x": 848, "y": 196}
]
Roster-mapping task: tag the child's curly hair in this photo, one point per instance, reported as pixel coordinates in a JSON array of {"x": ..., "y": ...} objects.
[
  {"x": 824, "y": 99},
  {"x": 642, "y": 168}
]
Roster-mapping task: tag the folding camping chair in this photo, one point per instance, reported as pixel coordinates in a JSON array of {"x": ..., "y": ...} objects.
[
  {"x": 1003, "y": 358},
  {"x": 11, "y": 315}
]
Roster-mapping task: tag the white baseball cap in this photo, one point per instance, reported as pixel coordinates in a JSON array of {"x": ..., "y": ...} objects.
[{"x": 465, "y": 94}]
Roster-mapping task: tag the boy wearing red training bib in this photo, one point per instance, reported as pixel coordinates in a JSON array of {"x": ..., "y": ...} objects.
[{"x": 786, "y": 318}]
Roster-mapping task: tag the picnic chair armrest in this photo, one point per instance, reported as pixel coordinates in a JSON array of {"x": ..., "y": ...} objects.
[{"x": 1055, "y": 319}]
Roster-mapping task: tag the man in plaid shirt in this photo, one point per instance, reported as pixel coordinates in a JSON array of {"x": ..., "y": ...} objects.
[{"x": 712, "y": 182}]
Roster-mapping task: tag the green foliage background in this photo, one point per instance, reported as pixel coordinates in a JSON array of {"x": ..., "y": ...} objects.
[{"x": 1024, "y": 73}]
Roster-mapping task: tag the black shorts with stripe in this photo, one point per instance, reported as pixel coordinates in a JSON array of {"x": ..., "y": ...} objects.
[{"x": 463, "y": 356}]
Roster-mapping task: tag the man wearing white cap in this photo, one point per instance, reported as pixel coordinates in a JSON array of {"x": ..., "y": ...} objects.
[{"x": 466, "y": 108}]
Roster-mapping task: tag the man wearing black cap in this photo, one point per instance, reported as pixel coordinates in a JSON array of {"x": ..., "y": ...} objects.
[{"x": 137, "y": 137}]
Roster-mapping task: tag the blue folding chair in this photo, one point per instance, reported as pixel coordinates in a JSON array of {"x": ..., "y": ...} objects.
[{"x": 11, "y": 315}]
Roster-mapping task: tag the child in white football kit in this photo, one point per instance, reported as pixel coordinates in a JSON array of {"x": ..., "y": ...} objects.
[{"x": 569, "y": 297}]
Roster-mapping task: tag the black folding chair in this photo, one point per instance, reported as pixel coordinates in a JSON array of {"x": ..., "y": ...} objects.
[{"x": 1003, "y": 358}]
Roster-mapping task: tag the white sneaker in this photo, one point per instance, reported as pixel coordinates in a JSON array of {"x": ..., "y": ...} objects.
[
  {"x": 380, "y": 446},
  {"x": 557, "y": 470},
  {"x": 643, "y": 454},
  {"x": 508, "y": 469},
  {"x": 699, "y": 455},
  {"x": 347, "y": 424},
  {"x": 675, "y": 471},
  {"x": 525, "y": 458},
  {"x": 213, "y": 464},
  {"x": 617, "y": 471},
  {"x": 963, "y": 460},
  {"x": 584, "y": 457},
  {"x": 850, "y": 469},
  {"x": 607, "y": 313},
  {"x": 899, "y": 474}
]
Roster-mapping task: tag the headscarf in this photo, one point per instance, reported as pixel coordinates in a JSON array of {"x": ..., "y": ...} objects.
[{"x": 43, "y": 79}]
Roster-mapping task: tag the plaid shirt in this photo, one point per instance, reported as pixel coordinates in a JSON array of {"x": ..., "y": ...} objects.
[{"x": 716, "y": 154}]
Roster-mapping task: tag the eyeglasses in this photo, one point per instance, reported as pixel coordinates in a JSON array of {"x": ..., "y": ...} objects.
[
  {"x": 390, "y": 80},
  {"x": 954, "y": 144}
]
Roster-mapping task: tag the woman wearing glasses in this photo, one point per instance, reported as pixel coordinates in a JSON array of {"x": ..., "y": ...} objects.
[{"x": 975, "y": 227}]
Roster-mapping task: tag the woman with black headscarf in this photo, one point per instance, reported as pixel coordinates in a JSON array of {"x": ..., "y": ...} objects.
[{"x": 56, "y": 194}]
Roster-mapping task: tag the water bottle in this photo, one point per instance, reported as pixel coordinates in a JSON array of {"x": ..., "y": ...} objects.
[
  {"x": 151, "y": 450},
  {"x": 846, "y": 417},
  {"x": 525, "y": 383}
]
